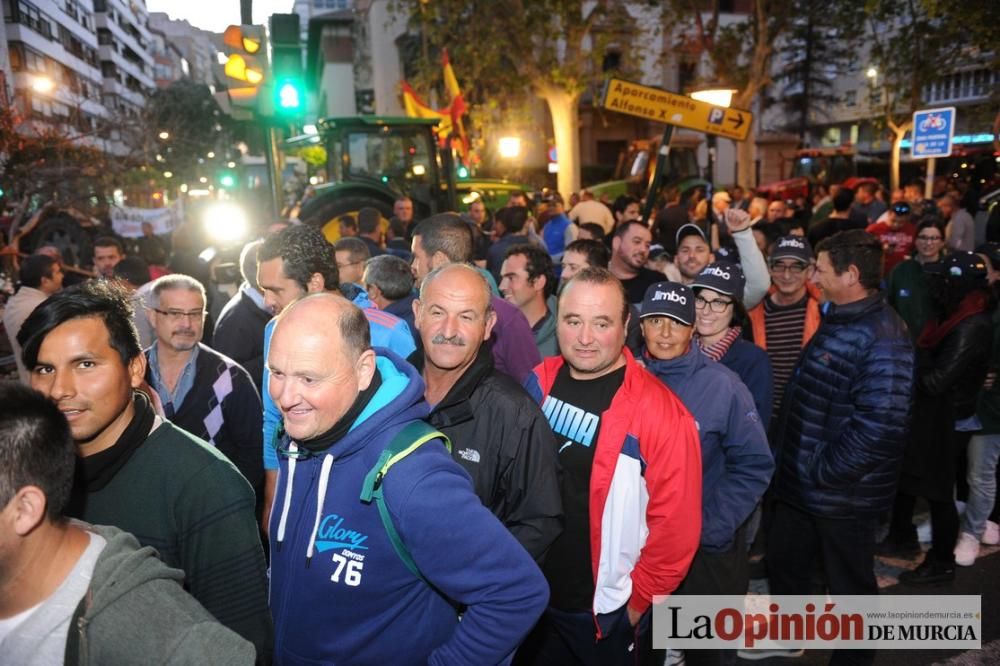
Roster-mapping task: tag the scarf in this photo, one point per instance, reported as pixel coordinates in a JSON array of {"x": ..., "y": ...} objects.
[
  {"x": 719, "y": 349},
  {"x": 322, "y": 442},
  {"x": 95, "y": 472},
  {"x": 935, "y": 331}
]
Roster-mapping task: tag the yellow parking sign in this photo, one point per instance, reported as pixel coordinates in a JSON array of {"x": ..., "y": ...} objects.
[{"x": 666, "y": 107}]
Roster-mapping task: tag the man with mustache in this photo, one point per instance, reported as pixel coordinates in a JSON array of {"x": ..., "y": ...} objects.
[
  {"x": 202, "y": 391},
  {"x": 498, "y": 434}
]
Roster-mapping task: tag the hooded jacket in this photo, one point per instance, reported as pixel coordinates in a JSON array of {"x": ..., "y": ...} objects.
[
  {"x": 386, "y": 331},
  {"x": 136, "y": 612},
  {"x": 736, "y": 459},
  {"x": 645, "y": 490},
  {"x": 501, "y": 438},
  {"x": 339, "y": 591},
  {"x": 846, "y": 413},
  {"x": 758, "y": 318}
]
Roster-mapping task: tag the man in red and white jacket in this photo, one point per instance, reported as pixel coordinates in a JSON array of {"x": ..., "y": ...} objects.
[{"x": 631, "y": 483}]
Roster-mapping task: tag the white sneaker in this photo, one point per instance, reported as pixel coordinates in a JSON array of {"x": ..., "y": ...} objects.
[
  {"x": 966, "y": 550},
  {"x": 924, "y": 531},
  {"x": 991, "y": 536},
  {"x": 674, "y": 658},
  {"x": 755, "y": 655}
]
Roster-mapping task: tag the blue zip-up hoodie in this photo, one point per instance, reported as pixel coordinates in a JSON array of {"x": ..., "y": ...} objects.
[
  {"x": 736, "y": 460},
  {"x": 341, "y": 594}
]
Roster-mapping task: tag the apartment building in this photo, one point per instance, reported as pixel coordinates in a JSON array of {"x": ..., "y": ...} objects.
[{"x": 85, "y": 66}]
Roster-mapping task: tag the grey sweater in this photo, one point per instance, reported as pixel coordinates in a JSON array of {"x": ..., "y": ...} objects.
[{"x": 136, "y": 612}]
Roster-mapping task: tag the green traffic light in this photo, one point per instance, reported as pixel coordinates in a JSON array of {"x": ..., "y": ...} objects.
[
  {"x": 289, "y": 96},
  {"x": 227, "y": 180},
  {"x": 463, "y": 172}
]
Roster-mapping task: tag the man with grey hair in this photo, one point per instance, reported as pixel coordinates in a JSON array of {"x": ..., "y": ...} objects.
[
  {"x": 202, "y": 391},
  {"x": 239, "y": 333},
  {"x": 498, "y": 433},
  {"x": 389, "y": 282}
]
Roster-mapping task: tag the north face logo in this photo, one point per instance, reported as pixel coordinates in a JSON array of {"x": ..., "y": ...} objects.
[
  {"x": 717, "y": 272},
  {"x": 671, "y": 296},
  {"x": 469, "y": 454}
]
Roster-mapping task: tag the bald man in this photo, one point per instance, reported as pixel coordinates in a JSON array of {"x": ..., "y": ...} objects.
[
  {"x": 498, "y": 433},
  {"x": 339, "y": 581}
]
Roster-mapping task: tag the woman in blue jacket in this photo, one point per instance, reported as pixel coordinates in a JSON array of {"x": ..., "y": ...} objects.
[
  {"x": 718, "y": 290},
  {"x": 736, "y": 459}
]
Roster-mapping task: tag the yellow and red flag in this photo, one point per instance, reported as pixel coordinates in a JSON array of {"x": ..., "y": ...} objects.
[{"x": 450, "y": 126}]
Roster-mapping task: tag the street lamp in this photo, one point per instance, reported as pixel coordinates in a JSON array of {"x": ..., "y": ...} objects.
[
  {"x": 510, "y": 147},
  {"x": 872, "y": 73},
  {"x": 164, "y": 135},
  {"x": 716, "y": 94}
]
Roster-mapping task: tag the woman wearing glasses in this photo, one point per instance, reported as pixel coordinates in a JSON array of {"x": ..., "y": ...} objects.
[
  {"x": 719, "y": 318},
  {"x": 908, "y": 288}
]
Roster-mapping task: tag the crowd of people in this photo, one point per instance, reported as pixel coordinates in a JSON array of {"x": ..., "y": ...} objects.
[{"x": 490, "y": 437}]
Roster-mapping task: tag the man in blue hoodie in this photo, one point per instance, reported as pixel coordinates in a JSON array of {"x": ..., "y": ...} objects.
[
  {"x": 290, "y": 264},
  {"x": 340, "y": 590},
  {"x": 736, "y": 459}
]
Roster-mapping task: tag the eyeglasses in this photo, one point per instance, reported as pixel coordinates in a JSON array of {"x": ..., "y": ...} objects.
[
  {"x": 929, "y": 239},
  {"x": 794, "y": 269},
  {"x": 717, "y": 306},
  {"x": 177, "y": 315},
  {"x": 349, "y": 263}
]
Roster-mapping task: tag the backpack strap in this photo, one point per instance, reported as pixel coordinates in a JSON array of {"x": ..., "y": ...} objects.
[{"x": 407, "y": 440}]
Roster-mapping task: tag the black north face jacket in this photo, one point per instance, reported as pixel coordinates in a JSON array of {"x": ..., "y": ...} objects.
[{"x": 501, "y": 438}]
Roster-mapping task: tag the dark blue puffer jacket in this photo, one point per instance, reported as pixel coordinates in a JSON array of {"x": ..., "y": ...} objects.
[{"x": 846, "y": 413}]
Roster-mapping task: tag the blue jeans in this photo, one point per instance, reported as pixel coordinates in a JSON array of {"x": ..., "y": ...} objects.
[{"x": 984, "y": 451}]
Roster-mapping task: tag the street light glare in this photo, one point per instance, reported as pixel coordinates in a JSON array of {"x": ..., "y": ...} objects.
[
  {"x": 871, "y": 73},
  {"x": 510, "y": 147},
  {"x": 164, "y": 135},
  {"x": 715, "y": 96},
  {"x": 42, "y": 84}
]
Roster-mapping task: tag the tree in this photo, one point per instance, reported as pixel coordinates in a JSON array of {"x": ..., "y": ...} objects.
[
  {"x": 183, "y": 125},
  {"x": 739, "y": 53},
  {"x": 38, "y": 161},
  {"x": 820, "y": 43},
  {"x": 915, "y": 43},
  {"x": 503, "y": 52}
]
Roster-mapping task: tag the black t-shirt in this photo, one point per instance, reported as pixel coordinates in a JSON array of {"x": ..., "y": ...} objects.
[
  {"x": 573, "y": 409},
  {"x": 635, "y": 288}
]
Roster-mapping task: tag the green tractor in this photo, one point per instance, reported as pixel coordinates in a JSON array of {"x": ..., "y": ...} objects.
[
  {"x": 634, "y": 171},
  {"x": 373, "y": 160}
]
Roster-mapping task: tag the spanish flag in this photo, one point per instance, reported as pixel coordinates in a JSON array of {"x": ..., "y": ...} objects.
[{"x": 450, "y": 126}]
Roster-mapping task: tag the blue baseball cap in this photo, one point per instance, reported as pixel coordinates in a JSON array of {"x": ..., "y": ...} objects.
[
  {"x": 723, "y": 277},
  {"x": 669, "y": 299}
]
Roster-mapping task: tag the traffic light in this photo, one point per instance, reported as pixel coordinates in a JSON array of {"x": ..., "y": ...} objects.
[
  {"x": 227, "y": 179},
  {"x": 246, "y": 66},
  {"x": 286, "y": 64}
]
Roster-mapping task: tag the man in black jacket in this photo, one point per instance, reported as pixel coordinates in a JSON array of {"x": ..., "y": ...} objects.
[
  {"x": 239, "y": 333},
  {"x": 842, "y": 430},
  {"x": 498, "y": 433}
]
